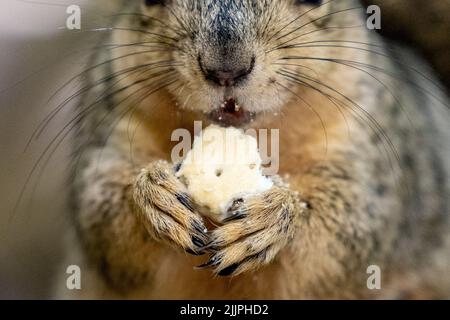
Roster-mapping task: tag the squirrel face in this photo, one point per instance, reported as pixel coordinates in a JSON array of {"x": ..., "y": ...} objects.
[{"x": 233, "y": 56}]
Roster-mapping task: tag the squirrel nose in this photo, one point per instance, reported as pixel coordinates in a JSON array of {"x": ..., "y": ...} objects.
[{"x": 227, "y": 77}]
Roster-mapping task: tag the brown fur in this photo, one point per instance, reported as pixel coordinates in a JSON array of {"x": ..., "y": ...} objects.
[{"x": 342, "y": 204}]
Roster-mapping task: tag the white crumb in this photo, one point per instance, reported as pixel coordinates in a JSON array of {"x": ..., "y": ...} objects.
[{"x": 224, "y": 164}]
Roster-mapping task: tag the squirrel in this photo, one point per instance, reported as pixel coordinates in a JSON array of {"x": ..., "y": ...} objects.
[{"x": 363, "y": 159}]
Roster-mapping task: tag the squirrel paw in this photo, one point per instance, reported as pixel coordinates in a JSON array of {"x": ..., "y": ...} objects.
[
  {"x": 167, "y": 210},
  {"x": 256, "y": 230}
]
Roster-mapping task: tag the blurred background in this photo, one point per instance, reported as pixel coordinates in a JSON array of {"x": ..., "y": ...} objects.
[
  {"x": 37, "y": 56},
  {"x": 423, "y": 25}
]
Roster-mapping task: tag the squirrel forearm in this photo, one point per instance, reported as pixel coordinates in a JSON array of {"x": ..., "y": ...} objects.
[
  {"x": 107, "y": 222},
  {"x": 342, "y": 232}
]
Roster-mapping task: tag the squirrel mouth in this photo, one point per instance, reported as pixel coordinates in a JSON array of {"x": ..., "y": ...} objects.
[{"x": 230, "y": 113}]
